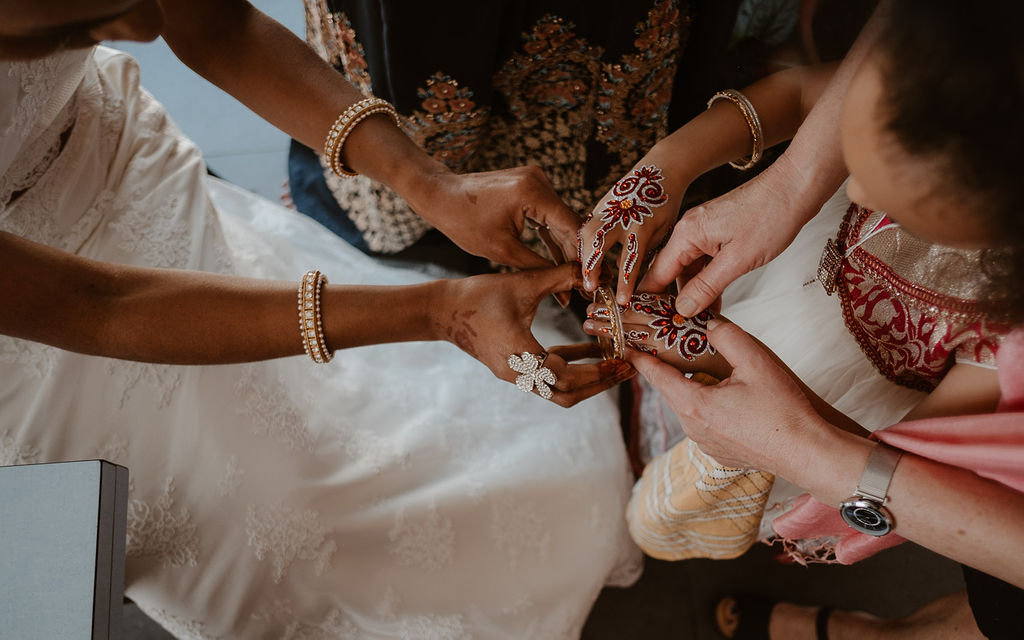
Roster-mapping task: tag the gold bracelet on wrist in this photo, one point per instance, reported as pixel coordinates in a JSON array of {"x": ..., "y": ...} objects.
[
  {"x": 343, "y": 126},
  {"x": 311, "y": 325},
  {"x": 750, "y": 115}
]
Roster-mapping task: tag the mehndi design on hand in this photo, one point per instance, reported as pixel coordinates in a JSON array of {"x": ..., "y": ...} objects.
[
  {"x": 632, "y": 199},
  {"x": 687, "y": 335}
]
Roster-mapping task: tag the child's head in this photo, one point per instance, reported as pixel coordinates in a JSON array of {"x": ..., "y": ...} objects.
[{"x": 933, "y": 124}]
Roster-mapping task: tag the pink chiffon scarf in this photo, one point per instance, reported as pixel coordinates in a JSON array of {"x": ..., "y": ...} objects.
[{"x": 990, "y": 445}]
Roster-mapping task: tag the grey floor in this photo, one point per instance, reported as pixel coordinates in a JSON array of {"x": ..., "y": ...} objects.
[
  {"x": 675, "y": 600},
  {"x": 671, "y": 600}
]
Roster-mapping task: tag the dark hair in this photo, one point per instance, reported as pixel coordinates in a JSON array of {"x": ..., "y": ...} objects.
[{"x": 954, "y": 92}]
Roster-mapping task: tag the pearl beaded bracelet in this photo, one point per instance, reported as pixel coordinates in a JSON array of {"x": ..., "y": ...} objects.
[
  {"x": 311, "y": 326},
  {"x": 343, "y": 126}
]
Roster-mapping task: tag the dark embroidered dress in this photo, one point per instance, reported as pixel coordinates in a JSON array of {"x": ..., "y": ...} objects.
[{"x": 581, "y": 89}]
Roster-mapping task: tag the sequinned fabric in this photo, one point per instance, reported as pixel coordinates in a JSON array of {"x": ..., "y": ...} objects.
[{"x": 581, "y": 90}]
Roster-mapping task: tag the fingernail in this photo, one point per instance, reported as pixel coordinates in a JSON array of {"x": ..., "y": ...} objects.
[{"x": 686, "y": 306}]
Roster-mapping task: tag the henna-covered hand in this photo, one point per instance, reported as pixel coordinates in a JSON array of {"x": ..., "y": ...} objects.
[
  {"x": 485, "y": 214},
  {"x": 651, "y": 324},
  {"x": 637, "y": 213},
  {"x": 489, "y": 317}
]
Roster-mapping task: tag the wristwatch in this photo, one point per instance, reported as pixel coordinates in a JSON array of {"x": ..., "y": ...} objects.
[{"x": 865, "y": 510}]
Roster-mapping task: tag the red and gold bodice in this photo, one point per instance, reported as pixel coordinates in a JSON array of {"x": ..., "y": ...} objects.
[{"x": 915, "y": 308}]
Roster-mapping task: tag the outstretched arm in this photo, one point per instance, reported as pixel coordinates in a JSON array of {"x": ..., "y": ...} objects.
[
  {"x": 258, "y": 61},
  {"x": 752, "y": 224},
  {"x": 188, "y": 317},
  {"x": 759, "y": 418},
  {"x": 659, "y": 180}
]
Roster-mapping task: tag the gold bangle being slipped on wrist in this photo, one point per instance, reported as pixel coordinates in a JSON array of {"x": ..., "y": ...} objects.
[
  {"x": 346, "y": 123},
  {"x": 750, "y": 115},
  {"x": 311, "y": 325}
]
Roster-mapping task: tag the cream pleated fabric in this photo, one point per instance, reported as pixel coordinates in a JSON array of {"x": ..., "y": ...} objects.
[{"x": 399, "y": 492}]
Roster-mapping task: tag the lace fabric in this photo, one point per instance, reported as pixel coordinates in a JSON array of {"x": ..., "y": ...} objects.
[{"x": 401, "y": 492}]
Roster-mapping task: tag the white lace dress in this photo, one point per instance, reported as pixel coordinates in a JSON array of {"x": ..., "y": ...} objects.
[{"x": 399, "y": 492}]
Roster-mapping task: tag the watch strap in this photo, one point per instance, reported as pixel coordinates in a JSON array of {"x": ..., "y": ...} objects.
[{"x": 878, "y": 472}]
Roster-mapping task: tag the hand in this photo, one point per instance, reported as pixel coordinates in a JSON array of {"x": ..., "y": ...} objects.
[
  {"x": 489, "y": 317},
  {"x": 651, "y": 324},
  {"x": 636, "y": 213},
  {"x": 757, "y": 418},
  {"x": 485, "y": 213},
  {"x": 739, "y": 231}
]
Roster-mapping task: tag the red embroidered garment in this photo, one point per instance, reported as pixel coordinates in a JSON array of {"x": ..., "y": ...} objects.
[{"x": 914, "y": 307}]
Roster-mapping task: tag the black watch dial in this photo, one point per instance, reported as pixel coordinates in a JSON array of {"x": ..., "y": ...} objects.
[{"x": 867, "y": 516}]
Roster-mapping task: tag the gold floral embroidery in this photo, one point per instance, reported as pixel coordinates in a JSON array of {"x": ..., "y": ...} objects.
[
  {"x": 333, "y": 38},
  {"x": 561, "y": 106}
]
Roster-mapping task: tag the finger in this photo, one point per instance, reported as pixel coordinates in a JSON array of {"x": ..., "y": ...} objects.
[
  {"x": 680, "y": 250},
  {"x": 579, "y": 351},
  {"x": 665, "y": 378},
  {"x": 517, "y": 254},
  {"x": 591, "y": 249},
  {"x": 628, "y": 263},
  {"x": 576, "y": 376},
  {"x": 553, "y": 279},
  {"x": 569, "y": 398},
  {"x": 562, "y": 224},
  {"x": 739, "y": 347},
  {"x": 701, "y": 291}
]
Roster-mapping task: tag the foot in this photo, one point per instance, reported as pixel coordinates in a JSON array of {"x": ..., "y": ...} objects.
[{"x": 748, "y": 618}]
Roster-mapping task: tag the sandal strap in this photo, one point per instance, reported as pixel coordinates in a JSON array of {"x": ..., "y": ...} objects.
[{"x": 821, "y": 623}]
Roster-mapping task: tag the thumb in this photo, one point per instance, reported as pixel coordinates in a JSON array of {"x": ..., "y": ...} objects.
[
  {"x": 554, "y": 279},
  {"x": 518, "y": 255},
  {"x": 701, "y": 291},
  {"x": 563, "y": 225},
  {"x": 737, "y": 346},
  {"x": 664, "y": 377}
]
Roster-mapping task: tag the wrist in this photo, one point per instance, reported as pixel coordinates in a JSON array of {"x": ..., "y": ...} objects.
[
  {"x": 421, "y": 183},
  {"x": 439, "y": 308},
  {"x": 830, "y": 463},
  {"x": 383, "y": 152}
]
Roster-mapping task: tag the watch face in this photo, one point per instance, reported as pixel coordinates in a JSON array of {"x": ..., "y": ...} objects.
[{"x": 867, "y": 516}]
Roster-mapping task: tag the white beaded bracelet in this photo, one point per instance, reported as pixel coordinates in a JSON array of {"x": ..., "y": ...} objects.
[
  {"x": 311, "y": 326},
  {"x": 344, "y": 125}
]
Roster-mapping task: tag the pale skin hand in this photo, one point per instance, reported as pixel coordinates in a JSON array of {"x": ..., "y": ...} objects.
[
  {"x": 255, "y": 59},
  {"x": 751, "y": 225},
  {"x": 713, "y": 138},
  {"x": 185, "y": 317},
  {"x": 759, "y": 418}
]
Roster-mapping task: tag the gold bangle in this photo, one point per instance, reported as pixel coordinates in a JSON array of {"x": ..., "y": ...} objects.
[
  {"x": 311, "y": 325},
  {"x": 618, "y": 345},
  {"x": 344, "y": 125},
  {"x": 750, "y": 115}
]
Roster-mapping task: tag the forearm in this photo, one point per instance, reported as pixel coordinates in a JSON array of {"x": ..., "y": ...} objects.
[
  {"x": 813, "y": 162},
  {"x": 721, "y": 134},
  {"x": 949, "y": 510},
  {"x": 274, "y": 73},
  {"x": 185, "y": 317}
]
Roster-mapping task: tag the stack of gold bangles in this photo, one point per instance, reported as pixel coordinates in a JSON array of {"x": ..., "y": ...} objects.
[
  {"x": 343, "y": 126},
  {"x": 750, "y": 115},
  {"x": 311, "y": 325}
]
